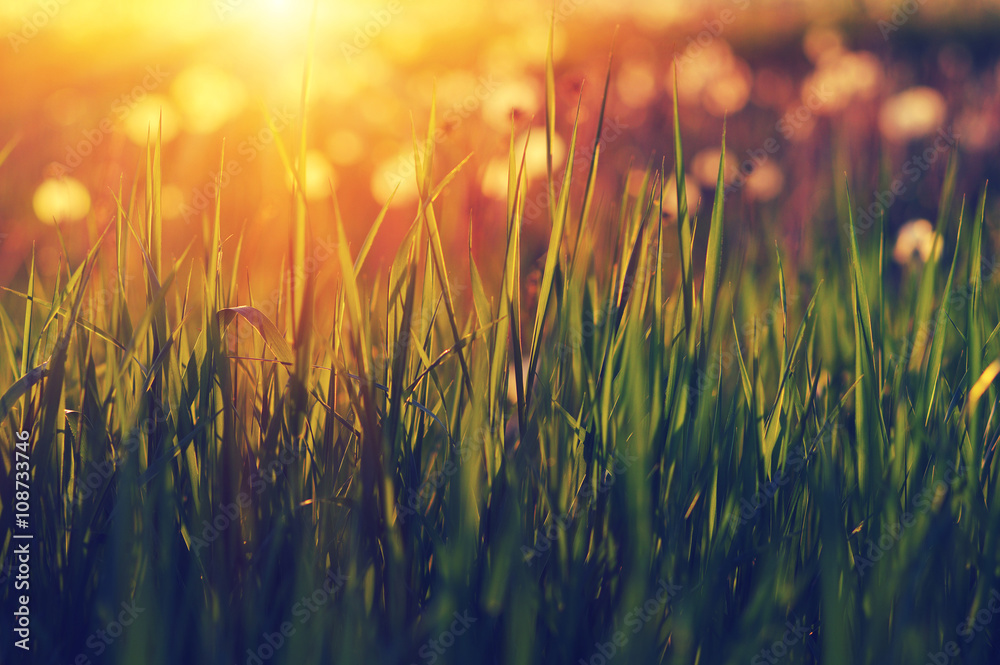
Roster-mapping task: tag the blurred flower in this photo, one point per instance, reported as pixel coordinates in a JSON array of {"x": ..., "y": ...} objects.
[
  {"x": 519, "y": 96},
  {"x": 691, "y": 189},
  {"x": 843, "y": 77},
  {"x": 698, "y": 67},
  {"x": 635, "y": 179},
  {"x": 495, "y": 175},
  {"x": 395, "y": 172},
  {"x": 978, "y": 129},
  {"x": 713, "y": 76},
  {"x": 822, "y": 42},
  {"x": 636, "y": 83},
  {"x": 143, "y": 120},
  {"x": 208, "y": 97},
  {"x": 765, "y": 182},
  {"x": 916, "y": 239},
  {"x": 61, "y": 200},
  {"x": 912, "y": 114},
  {"x": 705, "y": 167},
  {"x": 320, "y": 176},
  {"x": 728, "y": 93}
]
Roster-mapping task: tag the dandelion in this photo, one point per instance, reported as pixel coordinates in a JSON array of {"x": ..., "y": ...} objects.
[
  {"x": 844, "y": 78},
  {"x": 495, "y": 176},
  {"x": 916, "y": 240},
  {"x": 691, "y": 189},
  {"x": 636, "y": 84},
  {"x": 729, "y": 93},
  {"x": 705, "y": 167},
  {"x": 207, "y": 97},
  {"x": 521, "y": 97},
  {"x": 765, "y": 182},
  {"x": 912, "y": 114}
]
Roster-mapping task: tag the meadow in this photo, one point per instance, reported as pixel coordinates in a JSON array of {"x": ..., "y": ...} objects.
[{"x": 668, "y": 447}]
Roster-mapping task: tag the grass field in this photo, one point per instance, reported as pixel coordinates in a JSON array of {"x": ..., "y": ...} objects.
[{"x": 635, "y": 466}]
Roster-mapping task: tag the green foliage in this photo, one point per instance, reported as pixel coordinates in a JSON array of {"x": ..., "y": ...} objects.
[{"x": 220, "y": 480}]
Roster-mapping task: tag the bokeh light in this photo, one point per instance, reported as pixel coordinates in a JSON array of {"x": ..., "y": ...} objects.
[{"x": 61, "y": 200}]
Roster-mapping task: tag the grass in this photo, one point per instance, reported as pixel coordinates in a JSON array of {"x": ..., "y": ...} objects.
[{"x": 676, "y": 467}]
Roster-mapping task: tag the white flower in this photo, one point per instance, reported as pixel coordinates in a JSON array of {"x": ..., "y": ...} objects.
[
  {"x": 912, "y": 114},
  {"x": 916, "y": 239}
]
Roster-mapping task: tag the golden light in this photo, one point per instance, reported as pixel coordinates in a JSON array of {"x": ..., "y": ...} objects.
[
  {"x": 61, "y": 200},
  {"x": 144, "y": 118},
  {"x": 395, "y": 174},
  {"x": 522, "y": 95},
  {"x": 705, "y": 167},
  {"x": 766, "y": 182},
  {"x": 344, "y": 147},
  {"x": 912, "y": 114},
  {"x": 277, "y": 14},
  {"x": 839, "y": 79},
  {"x": 496, "y": 173},
  {"x": 636, "y": 83},
  {"x": 691, "y": 190},
  {"x": 171, "y": 201},
  {"x": 320, "y": 176},
  {"x": 207, "y": 97},
  {"x": 821, "y": 42}
]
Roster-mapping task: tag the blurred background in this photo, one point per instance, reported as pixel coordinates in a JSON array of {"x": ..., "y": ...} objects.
[{"x": 879, "y": 90}]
